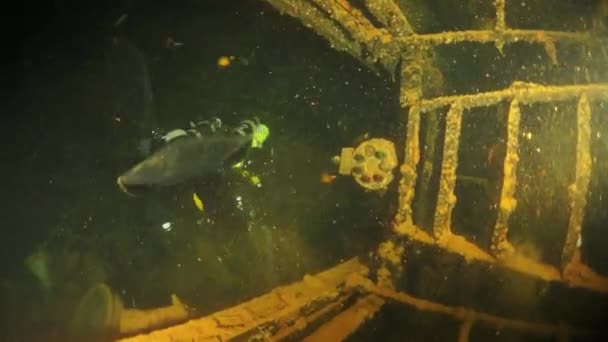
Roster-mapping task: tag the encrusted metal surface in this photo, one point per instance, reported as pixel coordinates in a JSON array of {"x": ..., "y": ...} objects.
[
  {"x": 500, "y": 244},
  {"x": 285, "y": 311},
  {"x": 446, "y": 199}
]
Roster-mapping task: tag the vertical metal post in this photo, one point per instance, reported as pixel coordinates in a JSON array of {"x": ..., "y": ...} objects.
[
  {"x": 500, "y": 26},
  {"x": 407, "y": 184},
  {"x": 577, "y": 191},
  {"x": 446, "y": 198},
  {"x": 409, "y": 96},
  {"x": 507, "y": 203}
]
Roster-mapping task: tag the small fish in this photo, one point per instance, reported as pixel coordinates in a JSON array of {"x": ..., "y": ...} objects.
[
  {"x": 171, "y": 43},
  {"x": 184, "y": 159},
  {"x": 224, "y": 61},
  {"x": 327, "y": 178},
  {"x": 198, "y": 202}
]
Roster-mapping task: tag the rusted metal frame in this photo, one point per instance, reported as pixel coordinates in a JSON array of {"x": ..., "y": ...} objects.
[
  {"x": 526, "y": 93},
  {"x": 576, "y": 273},
  {"x": 500, "y": 26},
  {"x": 290, "y": 330},
  {"x": 391, "y": 16},
  {"x": 467, "y": 315},
  {"x": 351, "y": 20},
  {"x": 465, "y": 328},
  {"x": 282, "y": 307},
  {"x": 312, "y": 17},
  {"x": 577, "y": 191},
  {"x": 407, "y": 183},
  {"x": 507, "y": 36},
  {"x": 348, "y": 321},
  {"x": 346, "y": 29},
  {"x": 391, "y": 251},
  {"x": 446, "y": 199},
  {"x": 377, "y": 43},
  {"x": 507, "y": 202}
]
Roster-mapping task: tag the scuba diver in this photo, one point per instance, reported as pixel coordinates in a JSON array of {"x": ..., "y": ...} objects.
[{"x": 204, "y": 149}]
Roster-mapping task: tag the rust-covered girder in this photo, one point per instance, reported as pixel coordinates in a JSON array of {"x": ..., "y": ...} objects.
[
  {"x": 575, "y": 272},
  {"x": 349, "y": 30},
  {"x": 468, "y": 316},
  {"x": 391, "y": 16},
  {"x": 446, "y": 199},
  {"x": 284, "y": 312},
  {"x": 507, "y": 202},
  {"x": 346, "y": 29},
  {"x": 578, "y": 189},
  {"x": 525, "y": 93}
]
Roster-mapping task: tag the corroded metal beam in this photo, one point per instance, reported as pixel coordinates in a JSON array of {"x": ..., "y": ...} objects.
[
  {"x": 466, "y": 314},
  {"x": 347, "y": 322},
  {"x": 407, "y": 183},
  {"x": 391, "y": 252},
  {"x": 576, "y": 273},
  {"x": 525, "y": 93},
  {"x": 311, "y": 16},
  {"x": 446, "y": 199},
  {"x": 349, "y": 30},
  {"x": 507, "y": 36},
  {"x": 578, "y": 189},
  {"x": 285, "y": 310},
  {"x": 346, "y": 29},
  {"x": 358, "y": 27},
  {"x": 507, "y": 202},
  {"x": 500, "y": 26},
  {"x": 391, "y": 16}
]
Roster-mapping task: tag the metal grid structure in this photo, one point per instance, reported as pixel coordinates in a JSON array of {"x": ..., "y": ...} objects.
[{"x": 332, "y": 305}]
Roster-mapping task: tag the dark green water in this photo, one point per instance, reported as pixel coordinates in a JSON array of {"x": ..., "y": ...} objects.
[{"x": 68, "y": 146}]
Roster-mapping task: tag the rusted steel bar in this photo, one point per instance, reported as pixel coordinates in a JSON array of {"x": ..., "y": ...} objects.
[
  {"x": 507, "y": 202},
  {"x": 576, "y": 273},
  {"x": 290, "y": 331},
  {"x": 464, "y": 314},
  {"x": 500, "y": 26},
  {"x": 465, "y": 329},
  {"x": 577, "y": 191},
  {"x": 410, "y": 92},
  {"x": 312, "y": 17},
  {"x": 346, "y": 29},
  {"x": 349, "y": 30},
  {"x": 269, "y": 313},
  {"x": 351, "y": 19},
  {"x": 391, "y": 251},
  {"x": 490, "y": 36},
  {"x": 407, "y": 183},
  {"x": 446, "y": 199},
  {"x": 391, "y": 16},
  {"x": 525, "y": 93},
  {"x": 348, "y": 321},
  {"x": 378, "y": 42}
]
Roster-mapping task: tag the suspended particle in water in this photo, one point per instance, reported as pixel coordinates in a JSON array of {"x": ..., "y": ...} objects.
[{"x": 167, "y": 226}]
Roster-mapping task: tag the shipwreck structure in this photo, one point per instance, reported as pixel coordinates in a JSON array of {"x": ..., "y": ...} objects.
[{"x": 338, "y": 302}]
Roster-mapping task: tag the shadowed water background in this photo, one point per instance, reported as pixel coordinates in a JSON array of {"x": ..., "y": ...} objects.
[{"x": 81, "y": 109}]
